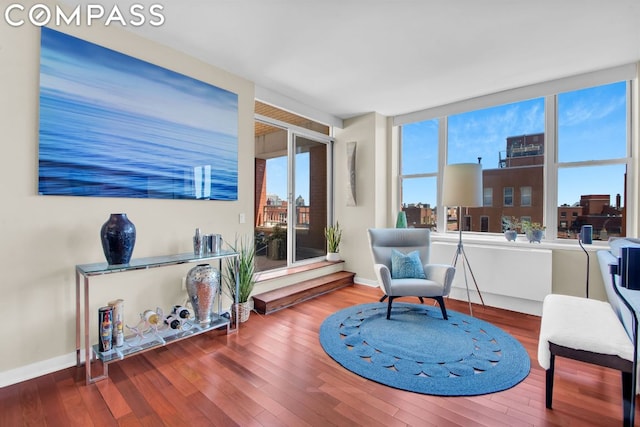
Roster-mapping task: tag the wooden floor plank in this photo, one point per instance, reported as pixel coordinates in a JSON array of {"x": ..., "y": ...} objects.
[
  {"x": 32, "y": 410},
  {"x": 52, "y": 404},
  {"x": 274, "y": 372},
  {"x": 10, "y": 406}
]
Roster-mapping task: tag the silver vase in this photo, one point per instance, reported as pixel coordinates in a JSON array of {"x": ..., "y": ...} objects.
[{"x": 203, "y": 282}]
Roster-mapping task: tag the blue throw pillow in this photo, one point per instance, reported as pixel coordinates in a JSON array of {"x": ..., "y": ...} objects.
[{"x": 406, "y": 266}]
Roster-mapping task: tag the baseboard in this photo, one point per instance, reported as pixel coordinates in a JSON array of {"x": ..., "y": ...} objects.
[
  {"x": 360, "y": 281},
  {"x": 27, "y": 372}
]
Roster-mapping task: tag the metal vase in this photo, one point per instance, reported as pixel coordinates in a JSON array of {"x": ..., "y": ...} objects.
[{"x": 203, "y": 283}]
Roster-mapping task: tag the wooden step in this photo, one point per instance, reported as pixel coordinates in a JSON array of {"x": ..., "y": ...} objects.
[{"x": 277, "y": 299}]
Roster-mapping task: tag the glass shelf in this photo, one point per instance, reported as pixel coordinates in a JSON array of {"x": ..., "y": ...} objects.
[
  {"x": 134, "y": 344},
  {"x": 149, "y": 262}
]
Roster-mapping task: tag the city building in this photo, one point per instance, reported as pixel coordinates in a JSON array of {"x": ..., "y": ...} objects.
[{"x": 515, "y": 189}]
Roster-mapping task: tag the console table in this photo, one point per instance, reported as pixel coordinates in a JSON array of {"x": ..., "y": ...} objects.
[{"x": 136, "y": 344}]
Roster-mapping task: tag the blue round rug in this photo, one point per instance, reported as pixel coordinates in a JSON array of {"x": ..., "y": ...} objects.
[{"x": 416, "y": 350}]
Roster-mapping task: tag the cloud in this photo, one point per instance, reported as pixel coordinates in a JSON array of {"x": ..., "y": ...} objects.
[
  {"x": 589, "y": 109},
  {"x": 483, "y": 133}
]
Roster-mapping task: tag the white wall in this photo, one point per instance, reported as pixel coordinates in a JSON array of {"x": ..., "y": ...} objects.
[
  {"x": 369, "y": 131},
  {"x": 44, "y": 237}
]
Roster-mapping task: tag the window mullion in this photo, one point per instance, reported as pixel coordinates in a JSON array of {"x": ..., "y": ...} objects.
[
  {"x": 633, "y": 144},
  {"x": 441, "y": 218},
  {"x": 550, "y": 174}
]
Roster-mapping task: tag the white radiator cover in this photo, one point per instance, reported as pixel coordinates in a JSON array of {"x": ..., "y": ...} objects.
[{"x": 514, "y": 278}]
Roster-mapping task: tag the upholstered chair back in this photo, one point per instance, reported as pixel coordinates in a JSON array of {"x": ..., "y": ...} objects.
[{"x": 383, "y": 240}]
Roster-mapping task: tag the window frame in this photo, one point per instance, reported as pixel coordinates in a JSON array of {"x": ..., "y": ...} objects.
[
  {"x": 487, "y": 192},
  {"x": 504, "y": 197},
  {"x": 523, "y": 193},
  {"x": 549, "y": 91}
]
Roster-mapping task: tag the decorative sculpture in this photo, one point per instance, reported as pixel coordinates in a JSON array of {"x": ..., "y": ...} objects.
[{"x": 351, "y": 168}]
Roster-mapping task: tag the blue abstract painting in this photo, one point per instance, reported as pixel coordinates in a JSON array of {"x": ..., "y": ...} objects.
[{"x": 115, "y": 126}]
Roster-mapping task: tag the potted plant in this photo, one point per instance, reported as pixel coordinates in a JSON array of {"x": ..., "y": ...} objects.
[
  {"x": 333, "y": 234},
  {"x": 511, "y": 226},
  {"x": 277, "y": 243},
  {"x": 533, "y": 230},
  {"x": 246, "y": 282}
]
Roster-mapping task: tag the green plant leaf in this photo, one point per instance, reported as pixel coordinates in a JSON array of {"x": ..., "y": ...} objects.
[
  {"x": 333, "y": 234},
  {"x": 245, "y": 264}
]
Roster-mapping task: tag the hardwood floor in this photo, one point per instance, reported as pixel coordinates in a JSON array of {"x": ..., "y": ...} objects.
[{"x": 275, "y": 373}]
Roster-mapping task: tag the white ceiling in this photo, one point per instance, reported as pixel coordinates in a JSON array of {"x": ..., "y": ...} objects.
[{"x": 348, "y": 57}]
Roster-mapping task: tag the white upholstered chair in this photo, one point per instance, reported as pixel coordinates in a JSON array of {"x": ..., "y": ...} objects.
[{"x": 437, "y": 279}]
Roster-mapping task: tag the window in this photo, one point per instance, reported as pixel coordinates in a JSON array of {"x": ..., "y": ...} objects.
[
  {"x": 484, "y": 223},
  {"x": 592, "y": 154},
  {"x": 587, "y": 152},
  {"x": 487, "y": 197},
  {"x": 525, "y": 196},
  {"x": 507, "y": 196},
  {"x": 419, "y": 172},
  {"x": 508, "y": 140},
  {"x": 417, "y": 194}
]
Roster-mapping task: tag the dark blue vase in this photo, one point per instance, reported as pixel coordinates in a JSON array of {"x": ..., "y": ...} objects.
[{"x": 118, "y": 237}]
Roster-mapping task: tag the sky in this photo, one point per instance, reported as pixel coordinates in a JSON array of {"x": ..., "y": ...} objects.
[
  {"x": 591, "y": 126},
  {"x": 277, "y": 177}
]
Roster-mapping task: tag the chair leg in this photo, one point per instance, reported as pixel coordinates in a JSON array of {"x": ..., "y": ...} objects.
[
  {"x": 389, "y": 308},
  {"x": 442, "y": 307},
  {"x": 384, "y": 297},
  {"x": 628, "y": 401},
  {"x": 549, "y": 384}
]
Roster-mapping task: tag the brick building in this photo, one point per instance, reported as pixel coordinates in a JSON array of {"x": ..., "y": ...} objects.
[
  {"x": 515, "y": 188},
  {"x": 420, "y": 215}
]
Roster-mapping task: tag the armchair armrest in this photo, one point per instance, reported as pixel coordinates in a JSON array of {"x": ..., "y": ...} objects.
[
  {"x": 384, "y": 277},
  {"x": 441, "y": 273}
]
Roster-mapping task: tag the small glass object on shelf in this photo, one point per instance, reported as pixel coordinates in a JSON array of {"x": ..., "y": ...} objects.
[
  {"x": 150, "y": 321},
  {"x": 401, "y": 221},
  {"x": 118, "y": 325},
  {"x": 198, "y": 244}
]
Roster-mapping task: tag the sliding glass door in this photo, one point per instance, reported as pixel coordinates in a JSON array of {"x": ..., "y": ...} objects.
[
  {"x": 309, "y": 207},
  {"x": 293, "y": 200}
]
